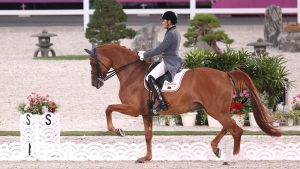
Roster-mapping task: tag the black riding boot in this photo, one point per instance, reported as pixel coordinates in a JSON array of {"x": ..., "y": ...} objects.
[{"x": 154, "y": 88}]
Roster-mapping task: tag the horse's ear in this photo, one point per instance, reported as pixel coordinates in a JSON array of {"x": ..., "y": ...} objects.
[{"x": 90, "y": 52}]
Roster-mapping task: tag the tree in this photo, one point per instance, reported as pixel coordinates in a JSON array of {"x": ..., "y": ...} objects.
[
  {"x": 202, "y": 27},
  {"x": 107, "y": 23}
]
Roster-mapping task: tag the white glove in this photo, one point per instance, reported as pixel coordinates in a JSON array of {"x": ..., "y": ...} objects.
[{"x": 141, "y": 54}]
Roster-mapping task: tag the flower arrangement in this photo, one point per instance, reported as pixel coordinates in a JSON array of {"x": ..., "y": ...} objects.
[
  {"x": 296, "y": 108},
  {"x": 37, "y": 104},
  {"x": 296, "y": 102},
  {"x": 240, "y": 103}
]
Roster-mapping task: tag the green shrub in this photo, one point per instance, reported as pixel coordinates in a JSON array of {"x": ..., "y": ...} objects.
[
  {"x": 107, "y": 23},
  {"x": 204, "y": 27},
  {"x": 268, "y": 72}
]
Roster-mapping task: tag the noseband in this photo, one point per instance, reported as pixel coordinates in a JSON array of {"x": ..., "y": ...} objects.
[{"x": 105, "y": 76}]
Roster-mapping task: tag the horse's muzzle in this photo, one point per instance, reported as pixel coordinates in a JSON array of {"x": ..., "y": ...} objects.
[{"x": 98, "y": 84}]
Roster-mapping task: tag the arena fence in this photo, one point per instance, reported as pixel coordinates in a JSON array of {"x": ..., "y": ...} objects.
[
  {"x": 86, "y": 11},
  {"x": 131, "y": 151}
]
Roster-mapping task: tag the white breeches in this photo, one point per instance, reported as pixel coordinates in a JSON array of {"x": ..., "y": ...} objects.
[{"x": 158, "y": 71}]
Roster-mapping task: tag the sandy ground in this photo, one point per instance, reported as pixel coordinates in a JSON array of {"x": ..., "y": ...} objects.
[
  {"x": 150, "y": 165},
  {"x": 82, "y": 107}
]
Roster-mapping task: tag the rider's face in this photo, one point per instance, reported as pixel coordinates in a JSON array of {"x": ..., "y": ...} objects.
[{"x": 166, "y": 23}]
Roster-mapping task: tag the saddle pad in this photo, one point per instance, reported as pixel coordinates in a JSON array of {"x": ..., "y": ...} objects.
[{"x": 172, "y": 86}]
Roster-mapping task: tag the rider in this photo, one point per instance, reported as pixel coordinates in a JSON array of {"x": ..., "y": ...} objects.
[{"x": 169, "y": 49}]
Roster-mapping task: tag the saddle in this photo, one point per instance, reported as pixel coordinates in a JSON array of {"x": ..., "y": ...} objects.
[{"x": 165, "y": 84}]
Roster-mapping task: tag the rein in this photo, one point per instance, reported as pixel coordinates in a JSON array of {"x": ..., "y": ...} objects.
[
  {"x": 110, "y": 74},
  {"x": 103, "y": 77}
]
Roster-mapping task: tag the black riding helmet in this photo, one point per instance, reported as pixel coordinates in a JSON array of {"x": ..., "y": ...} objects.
[{"x": 170, "y": 15}]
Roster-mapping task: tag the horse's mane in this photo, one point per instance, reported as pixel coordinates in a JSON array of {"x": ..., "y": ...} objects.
[
  {"x": 114, "y": 45},
  {"x": 129, "y": 53}
]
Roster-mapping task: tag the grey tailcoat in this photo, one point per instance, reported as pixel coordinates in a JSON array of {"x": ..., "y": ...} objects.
[{"x": 169, "y": 49}]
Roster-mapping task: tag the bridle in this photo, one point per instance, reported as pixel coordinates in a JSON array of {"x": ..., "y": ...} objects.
[{"x": 105, "y": 76}]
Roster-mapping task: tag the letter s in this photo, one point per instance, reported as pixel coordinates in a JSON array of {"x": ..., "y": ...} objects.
[
  {"x": 28, "y": 119},
  {"x": 48, "y": 122}
]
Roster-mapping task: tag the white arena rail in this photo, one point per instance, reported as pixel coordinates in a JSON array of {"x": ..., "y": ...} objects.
[
  {"x": 131, "y": 151},
  {"x": 86, "y": 11}
]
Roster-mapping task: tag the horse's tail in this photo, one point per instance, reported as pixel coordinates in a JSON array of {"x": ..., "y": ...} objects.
[{"x": 262, "y": 117}]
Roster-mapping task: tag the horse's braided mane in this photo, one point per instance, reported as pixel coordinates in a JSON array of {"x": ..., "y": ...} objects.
[{"x": 118, "y": 45}]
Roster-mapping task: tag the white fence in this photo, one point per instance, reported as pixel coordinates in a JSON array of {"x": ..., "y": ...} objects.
[
  {"x": 132, "y": 151},
  {"x": 86, "y": 11}
]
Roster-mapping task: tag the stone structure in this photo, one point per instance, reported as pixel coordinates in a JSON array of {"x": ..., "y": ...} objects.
[
  {"x": 146, "y": 38},
  {"x": 289, "y": 40},
  {"x": 260, "y": 47},
  {"x": 44, "y": 44},
  {"x": 273, "y": 24}
]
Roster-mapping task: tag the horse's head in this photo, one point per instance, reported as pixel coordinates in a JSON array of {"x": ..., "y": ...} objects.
[
  {"x": 110, "y": 56},
  {"x": 99, "y": 67}
]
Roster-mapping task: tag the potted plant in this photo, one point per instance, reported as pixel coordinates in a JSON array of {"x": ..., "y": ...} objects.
[
  {"x": 201, "y": 118},
  {"x": 286, "y": 118},
  {"x": 188, "y": 119},
  {"x": 290, "y": 117},
  {"x": 213, "y": 122},
  {"x": 297, "y": 117},
  {"x": 39, "y": 120},
  {"x": 170, "y": 120},
  {"x": 279, "y": 118},
  {"x": 159, "y": 120},
  {"x": 240, "y": 106}
]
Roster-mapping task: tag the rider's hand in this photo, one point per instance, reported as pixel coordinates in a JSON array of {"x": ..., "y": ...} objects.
[{"x": 141, "y": 54}]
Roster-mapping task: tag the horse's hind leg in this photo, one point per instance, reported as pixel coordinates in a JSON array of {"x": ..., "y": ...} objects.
[
  {"x": 216, "y": 140},
  {"x": 148, "y": 122},
  {"x": 236, "y": 132},
  {"x": 122, "y": 108}
]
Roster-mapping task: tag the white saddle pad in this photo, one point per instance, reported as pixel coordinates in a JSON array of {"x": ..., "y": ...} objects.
[{"x": 172, "y": 86}]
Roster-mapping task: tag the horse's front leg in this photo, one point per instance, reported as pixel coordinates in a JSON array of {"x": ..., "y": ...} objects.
[
  {"x": 122, "y": 108},
  {"x": 148, "y": 122}
]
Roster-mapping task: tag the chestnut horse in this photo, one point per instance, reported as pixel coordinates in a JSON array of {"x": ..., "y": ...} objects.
[{"x": 206, "y": 88}]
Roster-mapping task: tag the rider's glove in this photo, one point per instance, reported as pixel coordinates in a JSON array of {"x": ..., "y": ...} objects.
[{"x": 141, "y": 54}]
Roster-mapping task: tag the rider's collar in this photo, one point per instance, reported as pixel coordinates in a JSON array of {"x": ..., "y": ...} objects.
[{"x": 172, "y": 27}]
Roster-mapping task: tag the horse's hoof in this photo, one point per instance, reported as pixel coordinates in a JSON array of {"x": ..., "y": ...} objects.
[
  {"x": 225, "y": 163},
  {"x": 218, "y": 152},
  {"x": 120, "y": 132},
  {"x": 229, "y": 163},
  {"x": 139, "y": 161}
]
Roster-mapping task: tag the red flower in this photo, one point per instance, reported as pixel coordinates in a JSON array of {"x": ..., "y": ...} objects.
[{"x": 236, "y": 106}]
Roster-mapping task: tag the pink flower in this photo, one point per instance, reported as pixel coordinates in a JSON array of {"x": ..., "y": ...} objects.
[
  {"x": 38, "y": 104},
  {"x": 240, "y": 102},
  {"x": 296, "y": 102}
]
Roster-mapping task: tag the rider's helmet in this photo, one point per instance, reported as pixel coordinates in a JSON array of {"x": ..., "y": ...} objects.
[{"x": 170, "y": 15}]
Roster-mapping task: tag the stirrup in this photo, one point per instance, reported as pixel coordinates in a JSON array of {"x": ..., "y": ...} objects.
[
  {"x": 162, "y": 106},
  {"x": 151, "y": 110}
]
